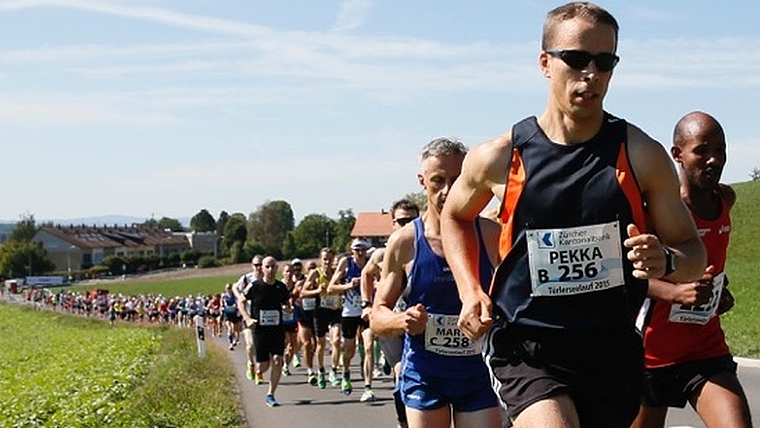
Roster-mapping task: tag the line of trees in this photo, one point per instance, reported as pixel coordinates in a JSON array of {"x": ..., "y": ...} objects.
[{"x": 270, "y": 229}]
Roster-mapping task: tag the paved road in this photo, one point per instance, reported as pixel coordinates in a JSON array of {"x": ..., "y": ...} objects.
[
  {"x": 749, "y": 375},
  {"x": 305, "y": 405}
]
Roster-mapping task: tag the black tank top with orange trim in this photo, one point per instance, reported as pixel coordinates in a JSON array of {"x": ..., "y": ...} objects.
[{"x": 556, "y": 196}]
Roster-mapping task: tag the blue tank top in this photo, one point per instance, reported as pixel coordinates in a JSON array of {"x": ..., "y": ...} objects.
[
  {"x": 431, "y": 283},
  {"x": 352, "y": 297},
  {"x": 561, "y": 187}
]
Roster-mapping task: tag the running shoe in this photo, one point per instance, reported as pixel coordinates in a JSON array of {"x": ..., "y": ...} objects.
[
  {"x": 232, "y": 347},
  {"x": 271, "y": 401},
  {"x": 377, "y": 372},
  {"x": 259, "y": 379},
  {"x": 334, "y": 379},
  {"x": 321, "y": 380},
  {"x": 296, "y": 361},
  {"x": 249, "y": 373},
  {"x": 312, "y": 378},
  {"x": 345, "y": 387},
  {"x": 386, "y": 367},
  {"x": 369, "y": 395},
  {"x": 285, "y": 370}
]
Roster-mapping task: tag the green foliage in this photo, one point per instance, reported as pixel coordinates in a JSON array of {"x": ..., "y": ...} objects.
[
  {"x": 312, "y": 233},
  {"x": 419, "y": 198},
  {"x": 170, "y": 223},
  {"x": 183, "y": 392},
  {"x": 72, "y": 382},
  {"x": 203, "y": 222},
  {"x": 235, "y": 232},
  {"x": 207, "y": 262},
  {"x": 117, "y": 265},
  {"x": 190, "y": 257},
  {"x": 740, "y": 324},
  {"x": 165, "y": 223},
  {"x": 269, "y": 224},
  {"x": 24, "y": 230},
  {"x": 343, "y": 227},
  {"x": 289, "y": 248},
  {"x": 221, "y": 222},
  {"x": 120, "y": 376},
  {"x": 19, "y": 258}
]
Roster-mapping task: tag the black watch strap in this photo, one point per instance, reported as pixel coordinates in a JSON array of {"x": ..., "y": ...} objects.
[{"x": 670, "y": 261}]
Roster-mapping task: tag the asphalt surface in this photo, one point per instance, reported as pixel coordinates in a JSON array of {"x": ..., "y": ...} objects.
[
  {"x": 303, "y": 405},
  {"x": 749, "y": 376}
]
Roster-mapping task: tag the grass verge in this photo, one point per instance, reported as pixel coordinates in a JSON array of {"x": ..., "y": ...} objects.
[{"x": 64, "y": 371}]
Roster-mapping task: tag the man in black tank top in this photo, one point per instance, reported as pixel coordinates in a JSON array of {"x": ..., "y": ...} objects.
[{"x": 577, "y": 246}]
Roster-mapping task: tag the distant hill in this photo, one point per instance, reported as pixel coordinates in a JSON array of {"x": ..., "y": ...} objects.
[{"x": 105, "y": 220}]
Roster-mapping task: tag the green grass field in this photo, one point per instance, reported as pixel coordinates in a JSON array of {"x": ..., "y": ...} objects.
[
  {"x": 64, "y": 371},
  {"x": 179, "y": 287},
  {"x": 743, "y": 267}
]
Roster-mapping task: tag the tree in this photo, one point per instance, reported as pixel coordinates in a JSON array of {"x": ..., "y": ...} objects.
[
  {"x": 755, "y": 174},
  {"x": 312, "y": 233},
  {"x": 24, "y": 258},
  {"x": 203, "y": 222},
  {"x": 269, "y": 224},
  {"x": 343, "y": 227},
  {"x": 24, "y": 230},
  {"x": 171, "y": 223},
  {"x": 419, "y": 198},
  {"x": 235, "y": 231},
  {"x": 221, "y": 222}
]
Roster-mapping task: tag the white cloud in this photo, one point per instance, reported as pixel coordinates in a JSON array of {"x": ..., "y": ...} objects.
[
  {"x": 352, "y": 15},
  {"x": 152, "y": 14}
]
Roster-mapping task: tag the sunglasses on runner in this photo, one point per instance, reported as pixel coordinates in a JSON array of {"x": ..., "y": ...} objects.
[
  {"x": 401, "y": 221},
  {"x": 578, "y": 60}
]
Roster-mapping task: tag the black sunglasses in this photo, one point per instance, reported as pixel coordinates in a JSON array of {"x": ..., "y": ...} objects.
[
  {"x": 257, "y": 265},
  {"x": 579, "y": 60},
  {"x": 401, "y": 221}
]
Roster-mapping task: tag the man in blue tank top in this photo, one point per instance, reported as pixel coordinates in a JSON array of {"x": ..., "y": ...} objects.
[
  {"x": 577, "y": 244},
  {"x": 443, "y": 378},
  {"x": 346, "y": 281}
]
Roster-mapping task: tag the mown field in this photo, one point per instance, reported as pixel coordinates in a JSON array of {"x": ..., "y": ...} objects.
[
  {"x": 742, "y": 323},
  {"x": 64, "y": 371}
]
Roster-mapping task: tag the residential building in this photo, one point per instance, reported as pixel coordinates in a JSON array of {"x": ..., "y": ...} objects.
[
  {"x": 375, "y": 227},
  {"x": 72, "y": 248}
]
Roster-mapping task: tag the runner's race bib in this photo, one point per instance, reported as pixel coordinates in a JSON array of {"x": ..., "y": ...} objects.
[
  {"x": 309, "y": 303},
  {"x": 269, "y": 317},
  {"x": 575, "y": 260},
  {"x": 288, "y": 316},
  {"x": 699, "y": 314},
  {"x": 331, "y": 301},
  {"x": 443, "y": 337}
]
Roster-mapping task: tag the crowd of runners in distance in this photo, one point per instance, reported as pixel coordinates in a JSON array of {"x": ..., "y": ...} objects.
[{"x": 144, "y": 308}]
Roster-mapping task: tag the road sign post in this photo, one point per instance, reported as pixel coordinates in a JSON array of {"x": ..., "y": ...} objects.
[{"x": 200, "y": 336}]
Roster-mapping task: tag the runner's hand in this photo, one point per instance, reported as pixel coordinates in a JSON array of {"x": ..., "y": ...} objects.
[
  {"x": 696, "y": 293},
  {"x": 415, "y": 319},
  {"x": 475, "y": 318},
  {"x": 646, "y": 253}
]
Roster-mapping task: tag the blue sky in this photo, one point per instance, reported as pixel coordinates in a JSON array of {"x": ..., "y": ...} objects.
[{"x": 155, "y": 108}]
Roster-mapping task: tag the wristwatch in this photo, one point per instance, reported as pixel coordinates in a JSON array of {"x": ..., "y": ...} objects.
[
  {"x": 670, "y": 260},
  {"x": 366, "y": 304}
]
